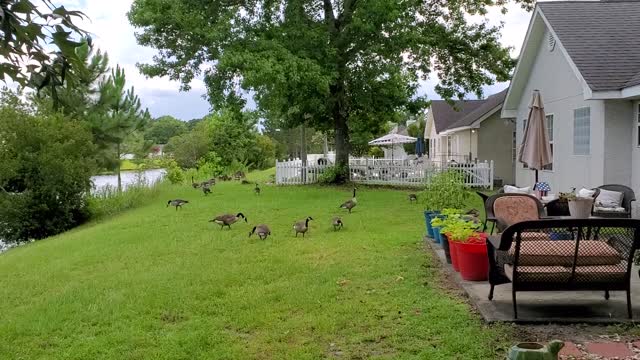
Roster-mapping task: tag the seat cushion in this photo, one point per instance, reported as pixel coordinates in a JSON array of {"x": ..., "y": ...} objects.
[
  {"x": 539, "y": 273},
  {"x": 611, "y": 210},
  {"x": 561, "y": 253},
  {"x": 609, "y": 199},
  {"x": 601, "y": 273}
]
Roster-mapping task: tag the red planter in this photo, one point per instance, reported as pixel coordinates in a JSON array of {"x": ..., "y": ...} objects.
[
  {"x": 453, "y": 249},
  {"x": 472, "y": 260}
]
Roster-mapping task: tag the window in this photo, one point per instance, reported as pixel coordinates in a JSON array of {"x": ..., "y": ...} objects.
[
  {"x": 550, "y": 135},
  {"x": 514, "y": 147},
  {"x": 638, "y": 116},
  {"x": 449, "y": 145},
  {"x": 582, "y": 131}
]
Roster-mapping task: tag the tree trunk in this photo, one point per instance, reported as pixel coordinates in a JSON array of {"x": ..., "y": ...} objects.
[
  {"x": 341, "y": 129},
  {"x": 303, "y": 152},
  {"x": 118, "y": 168}
]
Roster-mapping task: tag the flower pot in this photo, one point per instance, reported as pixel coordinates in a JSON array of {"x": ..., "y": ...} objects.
[
  {"x": 473, "y": 260},
  {"x": 580, "y": 208},
  {"x": 445, "y": 247},
  {"x": 427, "y": 218},
  {"x": 453, "y": 249},
  {"x": 536, "y": 351},
  {"x": 437, "y": 237}
]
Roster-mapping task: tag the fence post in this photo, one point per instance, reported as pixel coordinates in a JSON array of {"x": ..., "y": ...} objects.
[{"x": 491, "y": 175}]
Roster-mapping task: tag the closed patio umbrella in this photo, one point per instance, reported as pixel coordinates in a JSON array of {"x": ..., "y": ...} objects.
[
  {"x": 420, "y": 147},
  {"x": 535, "y": 151}
]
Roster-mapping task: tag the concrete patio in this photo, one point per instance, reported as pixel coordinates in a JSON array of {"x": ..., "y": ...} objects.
[{"x": 545, "y": 306}]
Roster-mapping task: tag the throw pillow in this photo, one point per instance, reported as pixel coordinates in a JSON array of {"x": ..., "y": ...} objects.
[
  {"x": 508, "y": 189},
  {"x": 586, "y": 193},
  {"x": 609, "y": 199}
]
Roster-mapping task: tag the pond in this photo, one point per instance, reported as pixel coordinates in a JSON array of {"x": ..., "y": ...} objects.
[{"x": 101, "y": 182}]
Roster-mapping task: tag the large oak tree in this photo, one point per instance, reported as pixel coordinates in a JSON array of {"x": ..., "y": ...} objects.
[{"x": 334, "y": 64}]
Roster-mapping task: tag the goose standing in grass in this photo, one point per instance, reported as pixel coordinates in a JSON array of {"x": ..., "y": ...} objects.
[
  {"x": 337, "y": 223},
  {"x": 257, "y": 189},
  {"x": 261, "y": 230},
  {"x": 228, "y": 219},
  {"x": 194, "y": 184},
  {"x": 350, "y": 204},
  {"x": 413, "y": 197},
  {"x": 177, "y": 203},
  {"x": 206, "y": 189},
  {"x": 301, "y": 227}
]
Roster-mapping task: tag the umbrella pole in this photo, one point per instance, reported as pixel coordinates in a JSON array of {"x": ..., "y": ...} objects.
[{"x": 536, "y": 176}]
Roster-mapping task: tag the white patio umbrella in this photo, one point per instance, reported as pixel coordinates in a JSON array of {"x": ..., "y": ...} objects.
[{"x": 392, "y": 140}]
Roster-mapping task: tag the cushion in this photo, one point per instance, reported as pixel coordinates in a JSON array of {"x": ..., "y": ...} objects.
[
  {"x": 586, "y": 193},
  {"x": 609, "y": 199},
  {"x": 561, "y": 253},
  {"x": 508, "y": 189},
  {"x": 509, "y": 210},
  {"x": 601, "y": 273},
  {"x": 539, "y": 273},
  {"x": 613, "y": 209}
]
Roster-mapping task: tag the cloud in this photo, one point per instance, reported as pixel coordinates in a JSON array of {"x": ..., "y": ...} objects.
[{"x": 112, "y": 33}]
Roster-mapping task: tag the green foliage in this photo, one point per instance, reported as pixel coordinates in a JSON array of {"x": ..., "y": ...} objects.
[
  {"x": 444, "y": 190},
  {"x": 416, "y": 130},
  {"x": 458, "y": 227},
  {"x": 109, "y": 201},
  {"x": 233, "y": 134},
  {"x": 376, "y": 151},
  {"x": 164, "y": 128},
  {"x": 333, "y": 65},
  {"x": 175, "y": 174},
  {"x": 45, "y": 167},
  {"x": 189, "y": 148},
  {"x": 210, "y": 166},
  {"x": 333, "y": 175}
]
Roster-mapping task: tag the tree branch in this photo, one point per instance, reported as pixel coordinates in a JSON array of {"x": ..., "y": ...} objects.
[{"x": 329, "y": 16}]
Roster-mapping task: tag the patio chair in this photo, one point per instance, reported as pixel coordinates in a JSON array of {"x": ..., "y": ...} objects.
[
  {"x": 628, "y": 197},
  {"x": 508, "y": 209}
]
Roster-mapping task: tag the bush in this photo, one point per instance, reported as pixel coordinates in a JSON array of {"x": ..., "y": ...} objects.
[
  {"x": 108, "y": 201},
  {"x": 175, "y": 175},
  {"x": 46, "y": 163},
  {"x": 445, "y": 190},
  {"x": 333, "y": 175}
]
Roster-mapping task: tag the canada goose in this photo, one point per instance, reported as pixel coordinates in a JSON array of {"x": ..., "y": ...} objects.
[
  {"x": 350, "y": 204},
  {"x": 177, "y": 203},
  {"x": 413, "y": 197},
  {"x": 206, "y": 189},
  {"x": 194, "y": 184},
  {"x": 245, "y": 182},
  {"x": 337, "y": 223},
  {"x": 257, "y": 189},
  {"x": 261, "y": 230},
  {"x": 301, "y": 227},
  {"x": 228, "y": 219},
  {"x": 212, "y": 181}
]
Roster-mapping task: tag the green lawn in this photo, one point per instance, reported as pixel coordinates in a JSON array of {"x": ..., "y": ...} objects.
[{"x": 154, "y": 283}]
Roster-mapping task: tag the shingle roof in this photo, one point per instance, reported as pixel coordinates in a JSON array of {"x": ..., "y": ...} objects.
[
  {"x": 444, "y": 115},
  {"x": 601, "y": 37},
  {"x": 489, "y": 104}
]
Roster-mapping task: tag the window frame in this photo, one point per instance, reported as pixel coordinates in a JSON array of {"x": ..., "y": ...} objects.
[
  {"x": 550, "y": 135},
  {"x": 637, "y": 116},
  {"x": 574, "y": 131}
]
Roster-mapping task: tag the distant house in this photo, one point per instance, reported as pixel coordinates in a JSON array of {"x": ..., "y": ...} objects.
[
  {"x": 472, "y": 130},
  {"x": 584, "y": 57}
]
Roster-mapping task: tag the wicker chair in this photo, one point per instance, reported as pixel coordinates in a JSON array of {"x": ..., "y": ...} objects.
[
  {"x": 507, "y": 209},
  {"x": 628, "y": 197}
]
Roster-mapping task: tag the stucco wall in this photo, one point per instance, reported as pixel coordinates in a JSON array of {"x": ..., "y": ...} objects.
[
  {"x": 495, "y": 142},
  {"x": 562, "y": 93},
  {"x": 618, "y": 139}
]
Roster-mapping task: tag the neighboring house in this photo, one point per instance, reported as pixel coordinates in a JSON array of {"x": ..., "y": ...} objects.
[
  {"x": 584, "y": 57},
  {"x": 472, "y": 130}
]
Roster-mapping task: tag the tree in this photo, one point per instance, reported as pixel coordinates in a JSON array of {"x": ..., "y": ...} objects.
[
  {"x": 46, "y": 163},
  {"x": 188, "y": 148},
  {"x": 164, "y": 128},
  {"x": 117, "y": 115},
  {"x": 27, "y": 28},
  {"x": 324, "y": 62}
]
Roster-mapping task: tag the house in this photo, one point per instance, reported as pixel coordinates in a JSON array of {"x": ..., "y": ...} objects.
[
  {"x": 584, "y": 57},
  {"x": 472, "y": 130}
]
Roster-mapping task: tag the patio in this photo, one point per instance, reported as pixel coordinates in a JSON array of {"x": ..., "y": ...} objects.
[{"x": 545, "y": 306}]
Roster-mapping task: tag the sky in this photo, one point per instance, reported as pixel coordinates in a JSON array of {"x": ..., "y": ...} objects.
[{"x": 112, "y": 33}]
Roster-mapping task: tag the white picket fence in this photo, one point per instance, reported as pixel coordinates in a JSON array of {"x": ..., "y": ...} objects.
[{"x": 387, "y": 172}]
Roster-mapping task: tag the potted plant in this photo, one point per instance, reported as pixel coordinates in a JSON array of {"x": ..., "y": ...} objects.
[
  {"x": 579, "y": 207},
  {"x": 438, "y": 222},
  {"x": 459, "y": 229},
  {"x": 444, "y": 190}
]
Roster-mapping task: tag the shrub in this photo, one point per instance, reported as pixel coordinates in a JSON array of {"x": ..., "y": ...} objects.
[
  {"x": 445, "y": 190},
  {"x": 333, "y": 175},
  {"x": 108, "y": 201},
  {"x": 46, "y": 163},
  {"x": 175, "y": 175}
]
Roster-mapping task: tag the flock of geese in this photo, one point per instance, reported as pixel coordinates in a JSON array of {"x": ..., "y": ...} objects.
[{"x": 261, "y": 230}]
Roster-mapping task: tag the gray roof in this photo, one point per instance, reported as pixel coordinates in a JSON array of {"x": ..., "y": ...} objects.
[
  {"x": 601, "y": 37},
  {"x": 485, "y": 108},
  {"x": 444, "y": 115}
]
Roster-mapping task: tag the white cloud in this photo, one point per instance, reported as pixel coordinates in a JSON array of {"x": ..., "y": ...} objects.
[{"x": 112, "y": 33}]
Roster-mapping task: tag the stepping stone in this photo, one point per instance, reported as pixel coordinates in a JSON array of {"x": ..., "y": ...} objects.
[
  {"x": 609, "y": 350},
  {"x": 570, "y": 349}
]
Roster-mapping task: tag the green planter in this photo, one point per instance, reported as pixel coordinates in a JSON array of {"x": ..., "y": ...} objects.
[{"x": 535, "y": 351}]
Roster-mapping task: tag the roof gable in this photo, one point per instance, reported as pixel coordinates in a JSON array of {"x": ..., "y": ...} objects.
[
  {"x": 445, "y": 115},
  {"x": 601, "y": 38},
  {"x": 489, "y": 106}
]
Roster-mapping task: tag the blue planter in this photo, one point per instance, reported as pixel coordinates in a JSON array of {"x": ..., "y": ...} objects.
[
  {"x": 437, "y": 237},
  {"x": 561, "y": 235},
  {"x": 428, "y": 215}
]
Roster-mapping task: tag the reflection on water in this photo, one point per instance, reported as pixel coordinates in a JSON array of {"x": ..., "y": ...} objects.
[{"x": 128, "y": 177}]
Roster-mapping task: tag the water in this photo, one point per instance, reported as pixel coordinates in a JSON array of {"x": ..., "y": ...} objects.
[
  {"x": 128, "y": 178},
  {"x": 100, "y": 182}
]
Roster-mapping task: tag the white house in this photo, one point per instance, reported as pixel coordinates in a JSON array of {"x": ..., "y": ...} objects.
[
  {"x": 584, "y": 57},
  {"x": 472, "y": 130}
]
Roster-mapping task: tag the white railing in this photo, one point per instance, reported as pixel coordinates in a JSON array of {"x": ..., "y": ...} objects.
[{"x": 387, "y": 172}]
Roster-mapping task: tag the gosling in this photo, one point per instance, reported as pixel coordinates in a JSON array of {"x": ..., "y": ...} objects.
[
  {"x": 301, "y": 227},
  {"x": 413, "y": 197},
  {"x": 257, "y": 190},
  {"x": 337, "y": 223}
]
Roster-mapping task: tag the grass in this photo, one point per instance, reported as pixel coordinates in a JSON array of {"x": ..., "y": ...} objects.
[{"x": 156, "y": 283}]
